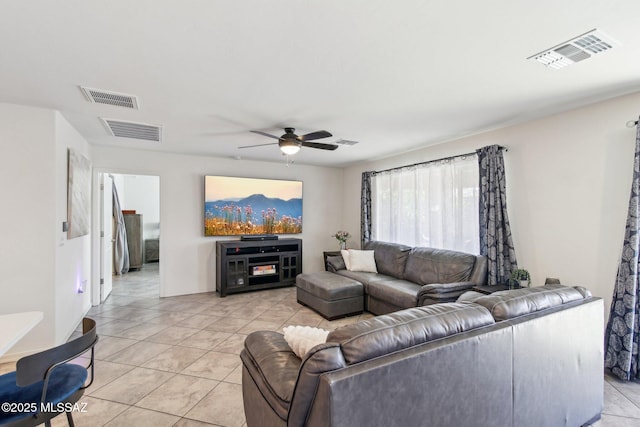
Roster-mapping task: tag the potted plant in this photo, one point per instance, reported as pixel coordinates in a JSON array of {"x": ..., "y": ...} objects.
[{"x": 520, "y": 277}]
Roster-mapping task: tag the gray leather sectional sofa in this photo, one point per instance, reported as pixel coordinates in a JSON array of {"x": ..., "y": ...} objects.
[
  {"x": 406, "y": 277},
  {"x": 526, "y": 357}
]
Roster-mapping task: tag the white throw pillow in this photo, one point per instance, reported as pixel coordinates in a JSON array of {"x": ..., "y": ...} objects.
[
  {"x": 361, "y": 261},
  {"x": 301, "y": 339},
  {"x": 345, "y": 258}
]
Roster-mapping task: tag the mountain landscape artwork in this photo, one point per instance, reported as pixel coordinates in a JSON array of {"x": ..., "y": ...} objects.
[{"x": 241, "y": 206}]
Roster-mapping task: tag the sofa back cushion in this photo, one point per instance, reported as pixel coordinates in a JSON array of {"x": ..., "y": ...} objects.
[
  {"x": 429, "y": 265},
  {"x": 505, "y": 305},
  {"x": 390, "y": 257},
  {"x": 406, "y": 328}
]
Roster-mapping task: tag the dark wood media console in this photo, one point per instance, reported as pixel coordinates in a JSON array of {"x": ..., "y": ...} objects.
[{"x": 243, "y": 266}]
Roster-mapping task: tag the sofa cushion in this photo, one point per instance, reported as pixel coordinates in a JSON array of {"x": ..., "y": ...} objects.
[
  {"x": 301, "y": 339},
  {"x": 363, "y": 277},
  {"x": 400, "y": 293},
  {"x": 361, "y": 261},
  {"x": 335, "y": 263},
  {"x": 329, "y": 286},
  {"x": 407, "y": 328},
  {"x": 429, "y": 265},
  {"x": 390, "y": 257},
  {"x": 509, "y": 304}
]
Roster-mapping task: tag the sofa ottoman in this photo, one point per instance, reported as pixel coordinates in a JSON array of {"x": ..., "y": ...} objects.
[{"x": 329, "y": 294}]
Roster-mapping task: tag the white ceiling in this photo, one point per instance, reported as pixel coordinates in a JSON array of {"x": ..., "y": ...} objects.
[{"x": 394, "y": 76}]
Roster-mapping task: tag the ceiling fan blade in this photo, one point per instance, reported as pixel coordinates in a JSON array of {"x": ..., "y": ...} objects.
[
  {"x": 259, "y": 132},
  {"x": 258, "y": 145},
  {"x": 314, "y": 135},
  {"x": 319, "y": 145}
]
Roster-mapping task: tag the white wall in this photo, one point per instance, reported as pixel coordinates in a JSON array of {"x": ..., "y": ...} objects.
[
  {"x": 187, "y": 258},
  {"x": 73, "y": 257},
  {"x": 142, "y": 194},
  {"x": 28, "y": 191},
  {"x": 568, "y": 183},
  {"x": 37, "y": 264}
]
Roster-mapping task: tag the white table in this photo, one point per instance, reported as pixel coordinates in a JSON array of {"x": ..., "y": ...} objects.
[{"x": 15, "y": 326}]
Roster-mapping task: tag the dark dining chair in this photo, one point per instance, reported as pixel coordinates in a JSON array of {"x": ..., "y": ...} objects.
[{"x": 45, "y": 385}]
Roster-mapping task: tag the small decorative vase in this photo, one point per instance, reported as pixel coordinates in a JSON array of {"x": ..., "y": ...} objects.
[{"x": 343, "y": 245}]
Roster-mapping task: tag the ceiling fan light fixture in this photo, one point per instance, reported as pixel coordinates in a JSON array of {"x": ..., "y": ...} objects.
[{"x": 289, "y": 147}]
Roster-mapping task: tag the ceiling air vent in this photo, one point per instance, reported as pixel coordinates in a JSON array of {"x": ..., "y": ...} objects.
[
  {"x": 576, "y": 50},
  {"x": 100, "y": 96},
  {"x": 133, "y": 130}
]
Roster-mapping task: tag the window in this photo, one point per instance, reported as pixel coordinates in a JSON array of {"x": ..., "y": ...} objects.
[{"x": 434, "y": 204}]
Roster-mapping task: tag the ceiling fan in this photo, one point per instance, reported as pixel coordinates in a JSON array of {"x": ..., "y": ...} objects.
[{"x": 290, "y": 143}]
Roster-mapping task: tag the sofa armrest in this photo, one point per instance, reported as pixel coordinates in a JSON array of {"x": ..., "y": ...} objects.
[
  {"x": 479, "y": 273},
  {"x": 273, "y": 367}
]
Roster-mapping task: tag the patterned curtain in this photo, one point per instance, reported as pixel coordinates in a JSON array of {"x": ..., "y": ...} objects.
[
  {"x": 365, "y": 208},
  {"x": 622, "y": 333},
  {"x": 495, "y": 233}
]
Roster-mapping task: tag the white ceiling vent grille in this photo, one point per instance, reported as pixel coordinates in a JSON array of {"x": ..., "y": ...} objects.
[
  {"x": 133, "y": 130},
  {"x": 100, "y": 96},
  {"x": 576, "y": 50}
]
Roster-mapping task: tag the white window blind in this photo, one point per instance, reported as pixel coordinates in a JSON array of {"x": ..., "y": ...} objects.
[{"x": 433, "y": 205}]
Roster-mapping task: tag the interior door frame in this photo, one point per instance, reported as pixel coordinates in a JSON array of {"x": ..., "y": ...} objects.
[
  {"x": 106, "y": 235},
  {"x": 96, "y": 212}
]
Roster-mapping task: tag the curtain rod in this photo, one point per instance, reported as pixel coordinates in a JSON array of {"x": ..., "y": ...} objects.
[{"x": 434, "y": 161}]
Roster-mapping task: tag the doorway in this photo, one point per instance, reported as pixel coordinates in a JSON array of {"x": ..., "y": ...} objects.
[{"x": 139, "y": 203}]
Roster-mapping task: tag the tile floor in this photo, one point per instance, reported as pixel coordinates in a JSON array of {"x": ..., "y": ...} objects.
[{"x": 174, "y": 361}]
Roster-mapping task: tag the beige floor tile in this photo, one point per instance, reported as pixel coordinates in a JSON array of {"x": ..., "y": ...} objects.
[
  {"x": 114, "y": 327},
  {"x": 174, "y": 359},
  {"x": 235, "y": 376},
  {"x": 247, "y": 312},
  {"x": 192, "y": 307},
  {"x": 138, "y": 353},
  {"x": 305, "y": 317},
  {"x": 205, "y": 339},
  {"x": 105, "y": 372},
  {"x": 259, "y": 325},
  {"x": 178, "y": 395},
  {"x": 199, "y": 321},
  {"x": 275, "y": 316},
  {"x": 234, "y": 344},
  {"x": 169, "y": 318},
  {"x": 139, "y": 417},
  {"x": 615, "y": 403},
  {"x": 133, "y": 386},
  {"x": 140, "y": 332},
  {"x": 227, "y": 324},
  {"x": 172, "y": 335},
  {"x": 97, "y": 412},
  {"x": 631, "y": 389},
  {"x": 213, "y": 365},
  {"x": 222, "y": 406},
  {"x": 150, "y": 303},
  {"x": 108, "y": 346},
  {"x": 615, "y": 421}
]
